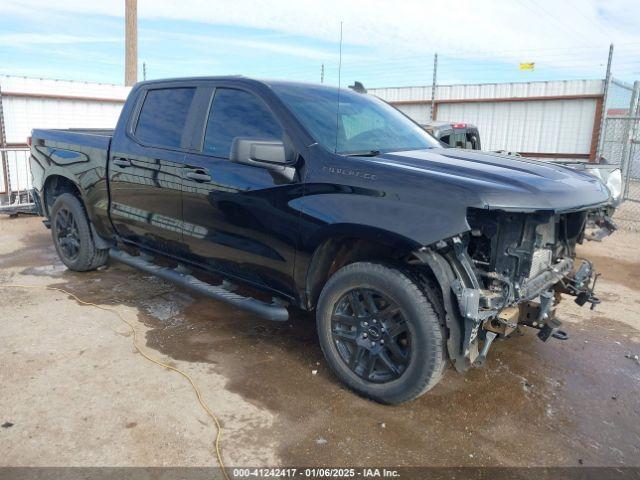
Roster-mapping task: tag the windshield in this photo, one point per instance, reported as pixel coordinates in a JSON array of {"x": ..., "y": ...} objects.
[{"x": 363, "y": 123}]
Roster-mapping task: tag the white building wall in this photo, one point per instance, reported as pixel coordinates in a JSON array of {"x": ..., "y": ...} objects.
[
  {"x": 549, "y": 126},
  {"x": 557, "y": 126},
  {"x": 29, "y": 103},
  {"x": 491, "y": 90}
]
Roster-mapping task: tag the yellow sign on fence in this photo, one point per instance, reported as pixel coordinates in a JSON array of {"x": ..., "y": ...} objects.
[{"x": 527, "y": 66}]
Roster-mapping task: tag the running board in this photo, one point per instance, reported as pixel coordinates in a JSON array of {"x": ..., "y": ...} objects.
[{"x": 272, "y": 311}]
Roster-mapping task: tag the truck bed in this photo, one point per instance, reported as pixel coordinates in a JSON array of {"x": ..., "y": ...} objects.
[
  {"x": 78, "y": 157},
  {"x": 87, "y": 137}
]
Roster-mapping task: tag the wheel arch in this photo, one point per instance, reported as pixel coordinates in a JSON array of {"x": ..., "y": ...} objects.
[
  {"x": 54, "y": 186},
  {"x": 340, "y": 245}
]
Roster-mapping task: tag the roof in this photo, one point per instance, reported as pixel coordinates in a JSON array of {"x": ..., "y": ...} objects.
[{"x": 242, "y": 79}]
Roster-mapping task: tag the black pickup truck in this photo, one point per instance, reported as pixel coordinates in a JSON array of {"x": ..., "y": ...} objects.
[{"x": 330, "y": 201}]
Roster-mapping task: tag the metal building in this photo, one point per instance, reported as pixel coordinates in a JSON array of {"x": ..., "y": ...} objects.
[
  {"x": 555, "y": 119},
  {"x": 28, "y": 103}
]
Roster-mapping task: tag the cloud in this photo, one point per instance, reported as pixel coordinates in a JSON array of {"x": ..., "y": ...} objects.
[
  {"x": 22, "y": 39},
  {"x": 571, "y": 35},
  {"x": 408, "y": 26},
  {"x": 263, "y": 44}
]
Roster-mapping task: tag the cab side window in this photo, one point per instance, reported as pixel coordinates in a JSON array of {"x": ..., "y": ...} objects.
[
  {"x": 236, "y": 113},
  {"x": 163, "y": 116}
]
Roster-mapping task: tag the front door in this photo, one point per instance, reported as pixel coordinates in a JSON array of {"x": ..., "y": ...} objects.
[
  {"x": 236, "y": 217},
  {"x": 145, "y": 169}
]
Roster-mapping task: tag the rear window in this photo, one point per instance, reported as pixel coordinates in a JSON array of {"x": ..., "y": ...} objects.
[{"x": 163, "y": 116}]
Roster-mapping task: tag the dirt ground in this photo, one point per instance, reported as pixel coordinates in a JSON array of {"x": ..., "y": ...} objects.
[{"x": 75, "y": 393}]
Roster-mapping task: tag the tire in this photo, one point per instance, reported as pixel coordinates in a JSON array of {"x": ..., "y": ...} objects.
[
  {"x": 71, "y": 233},
  {"x": 403, "y": 338}
]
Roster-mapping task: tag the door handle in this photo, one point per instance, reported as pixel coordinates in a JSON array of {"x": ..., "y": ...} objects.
[
  {"x": 199, "y": 175},
  {"x": 122, "y": 162}
]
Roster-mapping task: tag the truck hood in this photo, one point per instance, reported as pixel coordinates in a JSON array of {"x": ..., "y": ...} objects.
[{"x": 497, "y": 181}]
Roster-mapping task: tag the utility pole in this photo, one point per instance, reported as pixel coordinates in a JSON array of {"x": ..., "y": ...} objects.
[
  {"x": 603, "y": 113},
  {"x": 433, "y": 87},
  {"x": 322, "y": 74},
  {"x": 144, "y": 70},
  {"x": 131, "y": 42}
]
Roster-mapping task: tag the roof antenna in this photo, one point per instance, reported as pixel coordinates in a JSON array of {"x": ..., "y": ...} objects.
[{"x": 339, "y": 81}]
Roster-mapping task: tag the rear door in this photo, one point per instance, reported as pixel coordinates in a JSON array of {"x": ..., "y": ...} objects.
[
  {"x": 145, "y": 167},
  {"x": 236, "y": 217}
]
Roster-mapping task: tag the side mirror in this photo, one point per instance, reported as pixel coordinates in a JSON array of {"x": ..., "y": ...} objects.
[
  {"x": 260, "y": 153},
  {"x": 268, "y": 154}
]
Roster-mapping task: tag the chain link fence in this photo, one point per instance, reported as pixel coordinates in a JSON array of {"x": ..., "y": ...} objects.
[
  {"x": 15, "y": 181},
  {"x": 621, "y": 146}
]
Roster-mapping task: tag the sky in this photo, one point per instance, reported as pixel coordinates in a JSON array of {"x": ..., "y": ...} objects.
[{"x": 384, "y": 43}]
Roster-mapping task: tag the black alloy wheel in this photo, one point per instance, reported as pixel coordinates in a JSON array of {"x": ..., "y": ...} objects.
[
  {"x": 380, "y": 331},
  {"x": 371, "y": 335},
  {"x": 72, "y": 236},
  {"x": 67, "y": 234}
]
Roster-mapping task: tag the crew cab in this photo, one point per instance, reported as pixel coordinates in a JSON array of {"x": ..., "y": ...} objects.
[{"x": 332, "y": 201}]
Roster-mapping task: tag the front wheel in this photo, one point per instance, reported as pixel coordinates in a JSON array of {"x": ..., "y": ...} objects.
[
  {"x": 72, "y": 237},
  {"x": 380, "y": 333}
]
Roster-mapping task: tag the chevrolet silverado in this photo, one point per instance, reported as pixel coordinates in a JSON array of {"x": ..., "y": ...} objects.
[{"x": 328, "y": 200}]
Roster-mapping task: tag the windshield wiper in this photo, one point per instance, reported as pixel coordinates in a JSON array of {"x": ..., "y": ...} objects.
[{"x": 363, "y": 153}]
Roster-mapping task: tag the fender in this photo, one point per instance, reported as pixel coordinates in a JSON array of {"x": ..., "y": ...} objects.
[
  {"x": 325, "y": 249},
  {"x": 87, "y": 174},
  {"x": 455, "y": 323}
]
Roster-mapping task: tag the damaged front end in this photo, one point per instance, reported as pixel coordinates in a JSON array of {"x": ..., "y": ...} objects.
[{"x": 511, "y": 269}]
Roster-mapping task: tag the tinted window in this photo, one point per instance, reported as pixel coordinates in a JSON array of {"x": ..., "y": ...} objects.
[
  {"x": 236, "y": 113},
  {"x": 163, "y": 116},
  {"x": 348, "y": 122}
]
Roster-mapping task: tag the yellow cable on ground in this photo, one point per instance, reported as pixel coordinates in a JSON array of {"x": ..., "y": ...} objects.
[{"x": 148, "y": 357}]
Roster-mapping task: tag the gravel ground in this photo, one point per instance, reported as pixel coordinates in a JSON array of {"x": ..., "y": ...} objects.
[{"x": 74, "y": 392}]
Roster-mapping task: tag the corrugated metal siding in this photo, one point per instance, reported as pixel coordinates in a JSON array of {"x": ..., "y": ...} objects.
[
  {"x": 544, "y": 126},
  {"x": 491, "y": 90},
  {"x": 519, "y": 89},
  {"x": 63, "y": 87},
  {"x": 419, "y": 113},
  {"x": 24, "y": 113},
  {"x": 402, "y": 94},
  {"x": 561, "y": 126}
]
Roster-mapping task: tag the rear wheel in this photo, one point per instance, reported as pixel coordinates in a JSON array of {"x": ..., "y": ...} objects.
[
  {"x": 72, "y": 237},
  {"x": 380, "y": 333}
]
